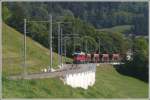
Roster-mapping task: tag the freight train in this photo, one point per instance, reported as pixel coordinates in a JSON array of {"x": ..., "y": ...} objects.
[{"x": 81, "y": 57}]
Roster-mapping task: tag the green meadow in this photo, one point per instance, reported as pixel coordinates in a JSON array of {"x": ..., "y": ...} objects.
[{"x": 109, "y": 82}]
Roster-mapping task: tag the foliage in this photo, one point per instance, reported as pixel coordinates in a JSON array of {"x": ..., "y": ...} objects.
[
  {"x": 100, "y": 14},
  {"x": 141, "y": 55},
  {"x": 139, "y": 28},
  {"x": 6, "y": 14},
  {"x": 112, "y": 42},
  {"x": 89, "y": 43},
  {"x": 85, "y": 18},
  {"x": 139, "y": 65}
]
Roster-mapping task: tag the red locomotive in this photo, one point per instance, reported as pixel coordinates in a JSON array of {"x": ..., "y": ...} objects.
[{"x": 81, "y": 57}]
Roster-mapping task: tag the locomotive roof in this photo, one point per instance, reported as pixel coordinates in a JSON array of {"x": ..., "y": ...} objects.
[{"x": 78, "y": 53}]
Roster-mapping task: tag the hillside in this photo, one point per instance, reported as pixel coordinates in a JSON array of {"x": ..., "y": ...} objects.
[
  {"x": 109, "y": 83},
  {"x": 37, "y": 55}
]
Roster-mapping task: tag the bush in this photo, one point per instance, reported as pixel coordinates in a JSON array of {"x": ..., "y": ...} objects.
[{"x": 139, "y": 65}]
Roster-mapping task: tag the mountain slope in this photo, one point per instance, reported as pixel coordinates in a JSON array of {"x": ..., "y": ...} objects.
[{"x": 109, "y": 83}]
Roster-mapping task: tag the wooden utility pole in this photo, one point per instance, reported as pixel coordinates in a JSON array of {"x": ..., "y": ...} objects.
[
  {"x": 99, "y": 45},
  {"x": 1, "y": 51},
  {"x": 24, "y": 65},
  {"x": 73, "y": 35},
  {"x": 86, "y": 46},
  {"x": 65, "y": 48},
  {"x": 59, "y": 30},
  {"x": 61, "y": 48},
  {"x": 50, "y": 42}
]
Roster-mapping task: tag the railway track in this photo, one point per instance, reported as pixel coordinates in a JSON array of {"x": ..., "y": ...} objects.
[{"x": 66, "y": 69}]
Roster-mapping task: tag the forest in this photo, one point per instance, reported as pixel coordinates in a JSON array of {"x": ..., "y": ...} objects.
[{"x": 99, "y": 14}]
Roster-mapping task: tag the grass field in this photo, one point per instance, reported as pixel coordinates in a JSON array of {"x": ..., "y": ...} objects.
[
  {"x": 37, "y": 55},
  {"x": 109, "y": 83},
  {"x": 121, "y": 29}
]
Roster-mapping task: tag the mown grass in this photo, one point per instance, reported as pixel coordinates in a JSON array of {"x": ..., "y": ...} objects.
[
  {"x": 109, "y": 83},
  {"x": 120, "y": 29}
]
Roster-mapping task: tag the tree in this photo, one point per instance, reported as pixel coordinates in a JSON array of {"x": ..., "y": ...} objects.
[
  {"x": 140, "y": 57},
  {"x": 120, "y": 43},
  {"x": 139, "y": 64},
  {"x": 88, "y": 44},
  {"x": 18, "y": 14},
  {"x": 6, "y": 14},
  {"x": 140, "y": 24}
]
